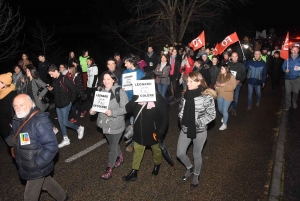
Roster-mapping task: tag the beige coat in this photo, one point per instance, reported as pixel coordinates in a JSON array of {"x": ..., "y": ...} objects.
[{"x": 227, "y": 91}]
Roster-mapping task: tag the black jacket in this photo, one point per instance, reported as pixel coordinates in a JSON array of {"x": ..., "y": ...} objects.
[
  {"x": 239, "y": 68},
  {"x": 64, "y": 91},
  {"x": 151, "y": 62},
  {"x": 155, "y": 120},
  {"x": 204, "y": 71},
  {"x": 276, "y": 68},
  {"x": 35, "y": 156}
]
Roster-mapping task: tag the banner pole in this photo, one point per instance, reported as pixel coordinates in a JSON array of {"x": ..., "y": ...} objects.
[{"x": 244, "y": 58}]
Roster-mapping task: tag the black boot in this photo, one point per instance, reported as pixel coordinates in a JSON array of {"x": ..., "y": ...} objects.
[
  {"x": 195, "y": 181},
  {"x": 155, "y": 170},
  {"x": 132, "y": 176},
  {"x": 189, "y": 172}
]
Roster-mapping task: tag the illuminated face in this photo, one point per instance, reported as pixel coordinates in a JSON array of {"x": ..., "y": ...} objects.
[
  {"x": 28, "y": 73},
  {"x": 22, "y": 106},
  {"x": 72, "y": 55},
  {"x": 111, "y": 65},
  {"x": 89, "y": 62},
  {"x": 191, "y": 84},
  {"x": 295, "y": 50},
  {"x": 54, "y": 74},
  {"x": 223, "y": 70},
  {"x": 150, "y": 49},
  {"x": 117, "y": 57},
  {"x": 257, "y": 55},
  {"x": 41, "y": 58},
  {"x": 234, "y": 57},
  {"x": 108, "y": 81},
  {"x": 128, "y": 64},
  {"x": 2, "y": 85},
  {"x": 24, "y": 56},
  {"x": 17, "y": 70},
  {"x": 214, "y": 61},
  {"x": 61, "y": 68},
  {"x": 163, "y": 59}
]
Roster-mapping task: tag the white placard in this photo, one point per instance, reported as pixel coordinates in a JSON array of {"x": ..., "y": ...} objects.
[
  {"x": 127, "y": 80},
  {"x": 101, "y": 101},
  {"x": 233, "y": 73},
  {"x": 145, "y": 89}
]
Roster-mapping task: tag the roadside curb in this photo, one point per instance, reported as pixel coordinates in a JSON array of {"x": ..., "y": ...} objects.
[{"x": 275, "y": 186}]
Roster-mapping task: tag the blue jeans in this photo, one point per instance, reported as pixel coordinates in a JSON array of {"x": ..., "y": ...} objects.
[
  {"x": 63, "y": 119},
  {"x": 236, "y": 96},
  {"x": 223, "y": 106},
  {"x": 250, "y": 92},
  {"x": 162, "y": 89}
]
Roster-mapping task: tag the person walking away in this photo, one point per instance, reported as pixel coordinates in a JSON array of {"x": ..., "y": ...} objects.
[
  {"x": 64, "y": 95},
  {"x": 225, "y": 87},
  {"x": 275, "y": 70},
  {"x": 112, "y": 121},
  {"x": 196, "y": 110}
]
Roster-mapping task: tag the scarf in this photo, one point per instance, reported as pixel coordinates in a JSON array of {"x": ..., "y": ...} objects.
[
  {"x": 16, "y": 77},
  {"x": 162, "y": 65},
  {"x": 7, "y": 90},
  {"x": 149, "y": 54},
  {"x": 188, "y": 118}
]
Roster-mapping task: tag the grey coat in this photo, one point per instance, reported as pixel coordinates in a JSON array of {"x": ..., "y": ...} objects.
[
  {"x": 36, "y": 84},
  {"x": 115, "y": 123},
  {"x": 162, "y": 76}
]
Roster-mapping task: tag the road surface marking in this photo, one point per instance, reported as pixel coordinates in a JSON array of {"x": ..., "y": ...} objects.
[{"x": 91, "y": 148}]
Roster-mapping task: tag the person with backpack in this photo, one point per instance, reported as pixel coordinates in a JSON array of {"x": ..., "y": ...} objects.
[
  {"x": 65, "y": 95},
  {"x": 112, "y": 121}
]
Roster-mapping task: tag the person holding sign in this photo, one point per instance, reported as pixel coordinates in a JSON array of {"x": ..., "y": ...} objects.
[
  {"x": 152, "y": 120},
  {"x": 112, "y": 121},
  {"x": 196, "y": 110},
  {"x": 225, "y": 86},
  {"x": 162, "y": 72}
]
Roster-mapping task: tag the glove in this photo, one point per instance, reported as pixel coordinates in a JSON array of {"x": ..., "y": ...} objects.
[
  {"x": 263, "y": 85},
  {"x": 11, "y": 141}
]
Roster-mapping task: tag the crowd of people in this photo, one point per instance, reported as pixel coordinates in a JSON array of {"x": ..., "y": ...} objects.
[{"x": 202, "y": 83}]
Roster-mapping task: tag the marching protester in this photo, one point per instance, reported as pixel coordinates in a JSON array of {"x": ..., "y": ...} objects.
[
  {"x": 18, "y": 79},
  {"x": 84, "y": 66},
  {"x": 196, "y": 110},
  {"x": 151, "y": 123},
  {"x": 276, "y": 70},
  {"x": 225, "y": 86},
  {"x": 92, "y": 79},
  {"x": 64, "y": 95},
  {"x": 24, "y": 61},
  {"x": 112, "y": 121},
  {"x": 35, "y": 147},
  {"x": 162, "y": 72}
]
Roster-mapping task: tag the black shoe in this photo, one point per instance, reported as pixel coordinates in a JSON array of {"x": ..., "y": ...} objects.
[
  {"x": 188, "y": 174},
  {"x": 155, "y": 170},
  {"x": 132, "y": 176},
  {"x": 194, "y": 184}
]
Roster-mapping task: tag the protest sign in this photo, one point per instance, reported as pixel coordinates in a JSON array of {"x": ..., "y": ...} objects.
[
  {"x": 145, "y": 89},
  {"x": 127, "y": 80},
  {"x": 101, "y": 101}
]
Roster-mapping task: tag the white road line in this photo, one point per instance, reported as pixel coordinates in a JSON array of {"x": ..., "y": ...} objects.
[{"x": 91, "y": 148}]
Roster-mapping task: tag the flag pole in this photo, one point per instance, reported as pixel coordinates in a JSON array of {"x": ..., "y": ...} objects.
[{"x": 244, "y": 58}]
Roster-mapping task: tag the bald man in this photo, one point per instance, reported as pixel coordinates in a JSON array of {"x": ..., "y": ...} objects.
[{"x": 35, "y": 147}]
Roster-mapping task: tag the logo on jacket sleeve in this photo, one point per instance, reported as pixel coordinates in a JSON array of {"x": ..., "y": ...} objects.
[{"x": 24, "y": 138}]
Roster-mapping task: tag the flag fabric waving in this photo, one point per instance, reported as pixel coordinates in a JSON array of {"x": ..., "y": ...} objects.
[
  {"x": 215, "y": 50},
  {"x": 198, "y": 42},
  {"x": 229, "y": 40},
  {"x": 284, "y": 53}
]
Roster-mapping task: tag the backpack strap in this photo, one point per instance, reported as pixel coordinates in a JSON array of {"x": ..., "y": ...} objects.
[{"x": 117, "y": 94}]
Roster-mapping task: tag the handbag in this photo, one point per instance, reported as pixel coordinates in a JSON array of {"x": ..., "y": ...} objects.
[
  {"x": 129, "y": 129},
  {"x": 44, "y": 99},
  {"x": 12, "y": 149}
]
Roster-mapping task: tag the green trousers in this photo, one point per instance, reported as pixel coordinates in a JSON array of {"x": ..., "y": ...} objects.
[{"x": 139, "y": 153}]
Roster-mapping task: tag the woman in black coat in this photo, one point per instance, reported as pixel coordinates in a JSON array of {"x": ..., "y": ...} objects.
[{"x": 149, "y": 127}]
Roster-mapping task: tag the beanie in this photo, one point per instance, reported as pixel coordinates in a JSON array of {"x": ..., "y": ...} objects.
[{"x": 6, "y": 78}]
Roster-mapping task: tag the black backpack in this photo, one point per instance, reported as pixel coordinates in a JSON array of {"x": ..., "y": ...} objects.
[{"x": 117, "y": 94}]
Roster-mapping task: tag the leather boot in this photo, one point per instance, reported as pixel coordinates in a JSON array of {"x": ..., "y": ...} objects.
[
  {"x": 132, "y": 176},
  {"x": 155, "y": 170}
]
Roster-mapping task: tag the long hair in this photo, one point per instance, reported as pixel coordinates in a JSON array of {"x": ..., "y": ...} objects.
[
  {"x": 197, "y": 77},
  {"x": 224, "y": 78},
  {"x": 70, "y": 55},
  {"x": 33, "y": 71},
  {"x": 73, "y": 70},
  {"x": 92, "y": 60},
  {"x": 112, "y": 75}
]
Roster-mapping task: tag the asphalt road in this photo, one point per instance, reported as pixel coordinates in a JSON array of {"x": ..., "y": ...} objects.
[{"x": 237, "y": 162}]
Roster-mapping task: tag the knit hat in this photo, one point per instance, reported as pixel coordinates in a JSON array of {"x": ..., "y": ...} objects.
[{"x": 6, "y": 78}]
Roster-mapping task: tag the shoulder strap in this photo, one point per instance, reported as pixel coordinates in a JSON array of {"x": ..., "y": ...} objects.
[
  {"x": 139, "y": 112},
  {"x": 117, "y": 94},
  {"x": 23, "y": 124}
]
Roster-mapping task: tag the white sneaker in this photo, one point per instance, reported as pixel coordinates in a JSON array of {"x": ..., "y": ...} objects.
[
  {"x": 80, "y": 132},
  {"x": 65, "y": 142},
  {"x": 55, "y": 130},
  {"x": 222, "y": 120},
  {"x": 223, "y": 127}
]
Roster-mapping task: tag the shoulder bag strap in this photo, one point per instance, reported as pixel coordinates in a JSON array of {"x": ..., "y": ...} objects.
[
  {"x": 139, "y": 112},
  {"x": 23, "y": 124}
]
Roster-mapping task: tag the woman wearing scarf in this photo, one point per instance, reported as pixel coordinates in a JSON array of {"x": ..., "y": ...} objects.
[
  {"x": 112, "y": 122},
  {"x": 149, "y": 127},
  {"x": 7, "y": 95},
  {"x": 18, "y": 79},
  {"x": 162, "y": 72},
  {"x": 196, "y": 110},
  {"x": 225, "y": 86}
]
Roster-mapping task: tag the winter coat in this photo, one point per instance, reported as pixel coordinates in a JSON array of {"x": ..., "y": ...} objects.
[
  {"x": 79, "y": 87},
  {"x": 227, "y": 91},
  {"x": 36, "y": 84},
  {"x": 204, "y": 71},
  {"x": 162, "y": 76},
  {"x": 275, "y": 69},
  {"x": 115, "y": 123},
  {"x": 256, "y": 72},
  {"x": 205, "y": 110},
  {"x": 151, "y": 61},
  {"x": 154, "y": 120},
  {"x": 92, "y": 76},
  {"x": 64, "y": 91},
  {"x": 214, "y": 71},
  {"x": 17, "y": 82},
  {"x": 238, "y": 69},
  {"x": 35, "y": 156},
  {"x": 6, "y": 113},
  {"x": 291, "y": 63}
]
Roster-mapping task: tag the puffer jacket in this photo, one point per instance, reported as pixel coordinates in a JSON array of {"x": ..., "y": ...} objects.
[
  {"x": 115, "y": 123},
  {"x": 291, "y": 63},
  {"x": 35, "y": 156},
  {"x": 205, "y": 110}
]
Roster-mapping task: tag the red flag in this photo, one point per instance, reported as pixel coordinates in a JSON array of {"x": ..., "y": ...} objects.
[
  {"x": 229, "y": 40},
  {"x": 198, "y": 42},
  {"x": 284, "y": 53},
  {"x": 216, "y": 50}
]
